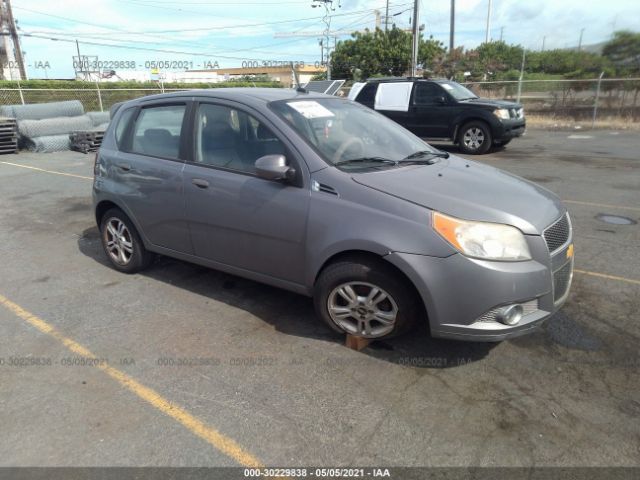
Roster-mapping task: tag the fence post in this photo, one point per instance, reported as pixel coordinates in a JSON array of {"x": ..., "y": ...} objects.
[
  {"x": 99, "y": 96},
  {"x": 595, "y": 103},
  {"x": 521, "y": 75},
  {"x": 20, "y": 92}
]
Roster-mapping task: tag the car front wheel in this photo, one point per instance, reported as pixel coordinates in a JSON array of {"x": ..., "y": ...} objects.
[
  {"x": 474, "y": 138},
  {"x": 365, "y": 298}
]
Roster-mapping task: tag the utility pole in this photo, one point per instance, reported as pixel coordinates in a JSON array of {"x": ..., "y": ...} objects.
[
  {"x": 328, "y": 6},
  {"x": 452, "y": 26},
  {"x": 386, "y": 18},
  {"x": 524, "y": 52},
  {"x": 486, "y": 36},
  {"x": 7, "y": 15},
  {"x": 501, "y": 32},
  {"x": 543, "y": 40},
  {"x": 416, "y": 39},
  {"x": 80, "y": 62},
  {"x": 580, "y": 41}
]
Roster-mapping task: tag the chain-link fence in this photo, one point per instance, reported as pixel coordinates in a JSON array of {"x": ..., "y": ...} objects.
[
  {"x": 97, "y": 99},
  {"x": 576, "y": 99}
]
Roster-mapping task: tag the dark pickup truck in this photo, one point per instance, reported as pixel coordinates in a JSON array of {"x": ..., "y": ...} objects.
[{"x": 442, "y": 109}]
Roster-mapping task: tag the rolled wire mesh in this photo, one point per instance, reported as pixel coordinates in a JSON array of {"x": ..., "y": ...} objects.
[
  {"x": 98, "y": 118},
  {"x": 54, "y": 126},
  {"x": 48, "y": 143},
  {"x": 100, "y": 128},
  {"x": 39, "y": 111}
]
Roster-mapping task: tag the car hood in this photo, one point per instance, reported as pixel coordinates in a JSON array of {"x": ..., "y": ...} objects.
[
  {"x": 488, "y": 102},
  {"x": 471, "y": 191}
]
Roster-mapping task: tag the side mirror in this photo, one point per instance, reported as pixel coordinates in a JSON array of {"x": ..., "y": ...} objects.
[{"x": 274, "y": 167}]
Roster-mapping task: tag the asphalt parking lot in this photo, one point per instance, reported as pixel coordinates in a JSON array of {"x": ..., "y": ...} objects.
[{"x": 198, "y": 368}]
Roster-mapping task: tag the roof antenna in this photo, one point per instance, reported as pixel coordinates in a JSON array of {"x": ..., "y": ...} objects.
[{"x": 299, "y": 88}]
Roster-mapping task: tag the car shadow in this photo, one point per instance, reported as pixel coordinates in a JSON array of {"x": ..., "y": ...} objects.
[{"x": 293, "y": 314}]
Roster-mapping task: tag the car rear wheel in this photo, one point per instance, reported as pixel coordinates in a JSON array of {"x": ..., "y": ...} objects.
[
  {"x": 365, "y": 298},
  {"x": 122, "y": 244},
  {"x": 474, "y": 138}
]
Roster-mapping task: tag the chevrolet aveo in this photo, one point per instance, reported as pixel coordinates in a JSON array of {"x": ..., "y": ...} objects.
[{"x": 327, "y": 198}]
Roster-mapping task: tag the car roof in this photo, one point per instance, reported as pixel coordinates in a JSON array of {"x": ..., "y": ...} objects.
[
  {"x": 405, "y": 79},
  {"x": 241, "y": 94}
]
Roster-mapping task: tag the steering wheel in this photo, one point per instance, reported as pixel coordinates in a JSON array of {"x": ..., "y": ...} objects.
[{"x": 345, "y": 145}]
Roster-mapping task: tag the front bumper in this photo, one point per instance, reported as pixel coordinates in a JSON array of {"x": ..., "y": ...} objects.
[
  {"x": 510, "y": 129},
  {"x": 460, "y": 292}
]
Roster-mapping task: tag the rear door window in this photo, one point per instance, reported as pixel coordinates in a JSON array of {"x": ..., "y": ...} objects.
[
  {"x": 157, "y": 131},
  {"x": 394, "y": 96},
  {"x": 427, "y": 94}
]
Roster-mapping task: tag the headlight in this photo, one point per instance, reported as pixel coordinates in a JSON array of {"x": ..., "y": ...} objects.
[
  {"x": 502, "y": 113},
  {"x": 489, "y": 241}
]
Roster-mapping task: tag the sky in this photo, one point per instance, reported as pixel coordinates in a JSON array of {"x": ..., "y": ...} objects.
[{"x": 200, "y": 33}]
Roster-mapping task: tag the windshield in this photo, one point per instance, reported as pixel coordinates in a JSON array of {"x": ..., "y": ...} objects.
[
  {"x": 457, "y": 91},
  {"x": 349, "y": 134}
]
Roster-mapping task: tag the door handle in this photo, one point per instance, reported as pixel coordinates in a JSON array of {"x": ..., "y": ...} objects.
[
  {"x": 124, "y": 166},
  {"x": 200, "y": 183}
]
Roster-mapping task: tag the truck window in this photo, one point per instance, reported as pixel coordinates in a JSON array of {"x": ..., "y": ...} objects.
[
  {"x": 367, "y": 95},
  {"x": 427, "y": 93}
]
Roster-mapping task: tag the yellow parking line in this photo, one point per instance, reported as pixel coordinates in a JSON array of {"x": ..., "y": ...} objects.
[
  {"x": 609, "y": 277},
  {"x": 605, "y": 205},
  {"x": 47, "y": 171},
  {"x": 216, "y": 439}
]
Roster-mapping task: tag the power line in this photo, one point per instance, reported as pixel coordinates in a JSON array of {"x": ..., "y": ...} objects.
[
  {"x": 198, "y": 29},
  {"x": 172, "y": 40},
  {"x": 128, "y": 47}
]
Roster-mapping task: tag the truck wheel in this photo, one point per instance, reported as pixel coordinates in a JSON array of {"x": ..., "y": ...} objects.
[
  {"x": 474, "y": 138},
  {"x": 365, "y": 298}
]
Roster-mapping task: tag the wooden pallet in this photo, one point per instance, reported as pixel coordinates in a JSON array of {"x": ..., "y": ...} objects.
[
  {"x": 86, "y": 141},
  {"x": 8, "y": 135}
]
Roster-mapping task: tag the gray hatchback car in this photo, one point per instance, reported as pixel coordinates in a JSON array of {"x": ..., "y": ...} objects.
[{"x": 327, "y": 198}]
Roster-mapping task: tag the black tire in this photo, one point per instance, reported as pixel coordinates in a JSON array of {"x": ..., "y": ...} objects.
[
  {"x": 474, "y": 129},
  {"x": 374, "y": 273},
  {"x": 138, "y": 258}
]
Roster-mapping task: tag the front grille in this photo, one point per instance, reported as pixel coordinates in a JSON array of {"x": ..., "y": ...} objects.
[
  {"x": 558, "y": 234},
  {"x": 562, "y": 281},
  {"x": 527, "y": 309},
  {"x": 517, "y": 113}
]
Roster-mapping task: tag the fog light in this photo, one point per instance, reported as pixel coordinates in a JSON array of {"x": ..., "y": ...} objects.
[{"x": 510, "y": 315}]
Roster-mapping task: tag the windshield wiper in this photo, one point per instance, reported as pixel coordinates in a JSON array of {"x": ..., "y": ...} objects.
[
  {"x": 413, "y": 158},
  {"x": 366, "y": 160}
]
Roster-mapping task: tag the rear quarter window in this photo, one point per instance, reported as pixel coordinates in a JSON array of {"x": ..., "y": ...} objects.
[
  {"x": 367, "y": 95},
  {"x": 121, "y": 127}
]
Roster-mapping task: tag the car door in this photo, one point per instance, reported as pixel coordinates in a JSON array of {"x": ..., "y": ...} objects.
[
  {"x": 236, "y": 218},
  {"x": 148, "y": 172},
  {"x": 430, "y": 111}
]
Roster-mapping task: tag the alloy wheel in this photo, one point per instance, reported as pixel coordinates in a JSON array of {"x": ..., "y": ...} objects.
[
  {"x": 362, "y": 309},
  {"x": 118, "y": 241},
  {"x": 473, "y": 138}
]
